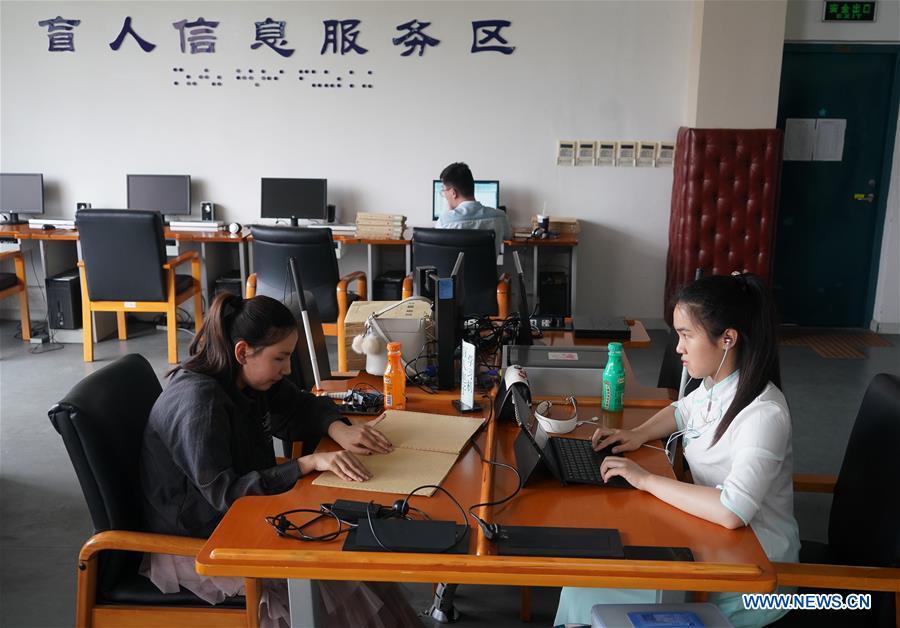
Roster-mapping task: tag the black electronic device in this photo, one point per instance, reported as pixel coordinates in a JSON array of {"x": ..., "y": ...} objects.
[
  {"x": 553, "y": 293},
  {"x": 448, "y": 299},
  {"x": 570, "y": 460},
  {"x": 21, "y": 194},
  {"x": 523, "y": 335},
  {"x": 352, "y": 511},
  {"x": 407, "y": 535},
  {"x": 611, "y": 328},
  {"x": 229, "y": 282},
  {"x": 365, "y": 403},
  {"x": 654, "y": 552},
  {"x": 388, "y": 286},
  {"x": 308, "y": 367},
  {"x": 294, "y": 199},
  {"x": 207, "y": 211},
  {"x": 169, "y": 194},
  {"x": 551, "y": 323},
  {"x": 560, "y": 542},
  {"x": 48, "y": 227},
  {"x": 64, "y": 300}
]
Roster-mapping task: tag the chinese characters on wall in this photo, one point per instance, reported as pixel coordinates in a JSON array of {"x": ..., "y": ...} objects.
[{"x": 341, "y": 37}]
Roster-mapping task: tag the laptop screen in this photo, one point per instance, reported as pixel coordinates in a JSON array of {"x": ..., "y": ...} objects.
[{"x": 527, "y": 420}]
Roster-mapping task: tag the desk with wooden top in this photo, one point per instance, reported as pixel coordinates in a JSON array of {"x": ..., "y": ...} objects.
[
  {"x": 726, "y": 560},
  {"x": 65, "y": 260},
  {"x": 566, "y": 241}
]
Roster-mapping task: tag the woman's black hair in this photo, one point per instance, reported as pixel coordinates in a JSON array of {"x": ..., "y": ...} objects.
[
  {"x": 260, "y": 322},
  {"x": 743, "y": 303}
]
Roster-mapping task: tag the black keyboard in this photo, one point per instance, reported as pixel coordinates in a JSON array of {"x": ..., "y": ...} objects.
[{"x": 580, "y": 464}]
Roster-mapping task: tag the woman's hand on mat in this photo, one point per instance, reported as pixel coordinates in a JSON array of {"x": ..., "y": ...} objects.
[
  {"x": 342, "y": 463},
  {"x": 360, "y": 439},
  {"x": 632, "y": 472},
  {"x": 624, "y": 440}
]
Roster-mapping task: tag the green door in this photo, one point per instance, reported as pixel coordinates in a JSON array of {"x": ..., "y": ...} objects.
[{"x": 831, "y": 213}]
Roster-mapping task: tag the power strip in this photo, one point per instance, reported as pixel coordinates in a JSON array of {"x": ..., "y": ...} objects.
[{"x": 39, "y": 340}]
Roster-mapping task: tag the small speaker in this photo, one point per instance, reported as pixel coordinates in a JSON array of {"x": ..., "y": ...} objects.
[
  {"x": 207, "y": 211},
  {"x": 331, "y": 212},
  {"x": 82, "y": 205}
]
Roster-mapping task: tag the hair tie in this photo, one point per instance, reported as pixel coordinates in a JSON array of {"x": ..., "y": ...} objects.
[
  {"x": 741, "y": 279},
  {"x": 230, "y": 309}
]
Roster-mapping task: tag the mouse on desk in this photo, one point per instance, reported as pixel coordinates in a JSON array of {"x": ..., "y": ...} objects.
[{"x": 47, "y": 227}]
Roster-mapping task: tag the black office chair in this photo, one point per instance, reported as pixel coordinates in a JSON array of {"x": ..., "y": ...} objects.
[
  {"x": 102, "y": 422},
  {"x": 314, "y": 250},
  {"x": 485, "y": 293},
  {"x": 863, "y": 548},
  {"x": 125, "y": 270}
]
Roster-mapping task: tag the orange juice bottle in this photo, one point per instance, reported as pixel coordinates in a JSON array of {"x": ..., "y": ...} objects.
[{"x": 394, "y": 379}]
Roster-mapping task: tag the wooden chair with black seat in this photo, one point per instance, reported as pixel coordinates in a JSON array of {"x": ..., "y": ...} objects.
[
  {"x": 14, "y": 283},
  {"x": 486, "y": 294},
  {"x": 314, "y": 250},
  {"x": 125, "y": 269},
  {"x": 863, "y": 549},
  {"x": 101, "y": 421}
]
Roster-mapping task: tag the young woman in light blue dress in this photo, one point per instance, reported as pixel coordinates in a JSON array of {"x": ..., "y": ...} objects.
[{"x": 736, "y": 428}]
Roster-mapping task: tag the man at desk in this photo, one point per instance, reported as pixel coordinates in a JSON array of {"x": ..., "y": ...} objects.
[{"x": 458, "y": 187}]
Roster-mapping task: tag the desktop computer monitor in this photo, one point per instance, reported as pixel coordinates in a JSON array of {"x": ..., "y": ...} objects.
[
  {"x": 486, "y": 192},
  {"x": 523, "y": 334},
  {"x": 294, "y": 198},
  {"x": 169, "y": 194},
  {"x": 21, "y": 194}
]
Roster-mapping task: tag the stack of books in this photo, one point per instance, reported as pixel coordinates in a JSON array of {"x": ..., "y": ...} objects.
[{"x": 380, "y": 226}]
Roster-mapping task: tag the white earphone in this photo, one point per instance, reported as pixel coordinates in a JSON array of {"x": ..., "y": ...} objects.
[{"x": 234, "y": 227}]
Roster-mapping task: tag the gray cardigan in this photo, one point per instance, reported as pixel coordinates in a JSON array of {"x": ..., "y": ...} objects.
[{"x": 205, "y": 446}]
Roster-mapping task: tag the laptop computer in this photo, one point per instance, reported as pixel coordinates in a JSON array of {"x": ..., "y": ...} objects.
[
  {"x": 609, "y": 327},
  {"x": 570, "y": 460}
]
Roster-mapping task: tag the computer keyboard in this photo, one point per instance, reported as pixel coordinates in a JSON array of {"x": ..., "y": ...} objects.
[{"x": 579, "y": 462}]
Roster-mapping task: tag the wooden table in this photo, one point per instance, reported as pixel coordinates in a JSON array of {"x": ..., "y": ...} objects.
[
  {"x": 562, "y": 338},
  {"x": 567, "y": 241},
  {"x": 24, "y": 232},
  {"x": 727, "y": 560}
]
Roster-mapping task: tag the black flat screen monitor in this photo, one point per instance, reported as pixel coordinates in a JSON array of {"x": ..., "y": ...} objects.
[
  {"x": 169, "y": 194},
  {"x": 523, "y": 336},
  {"x": 486, "y": 192},
  {"x": 294, "y": 198},
  {"x": 21, "y": 194}
]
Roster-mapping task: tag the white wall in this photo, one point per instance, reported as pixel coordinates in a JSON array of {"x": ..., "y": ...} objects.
[
  {"x": 581, "y": 70},
  {"x": 804, "y": 24},
  {"x": 740, "y": 63}
]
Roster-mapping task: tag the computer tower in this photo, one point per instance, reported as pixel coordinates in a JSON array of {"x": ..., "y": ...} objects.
[
  {"x": 64, "y": 300},
  {"x": 553, "y": 293},
  {"x": 229, "y": 282},
  {"x": 388, "y": 286}
]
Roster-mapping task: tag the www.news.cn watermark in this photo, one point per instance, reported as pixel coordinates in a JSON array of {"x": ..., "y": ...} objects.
[{"x": 807, "y": 601}]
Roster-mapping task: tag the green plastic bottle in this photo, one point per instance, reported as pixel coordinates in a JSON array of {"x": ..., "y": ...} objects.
[{"x": 613, "y": 379}]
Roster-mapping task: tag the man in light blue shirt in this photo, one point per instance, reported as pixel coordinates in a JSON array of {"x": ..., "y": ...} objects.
[{"x": 458, "y": 187}]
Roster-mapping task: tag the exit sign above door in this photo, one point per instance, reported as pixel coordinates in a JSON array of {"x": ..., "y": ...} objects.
[{"x": 835, "y": 11}]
